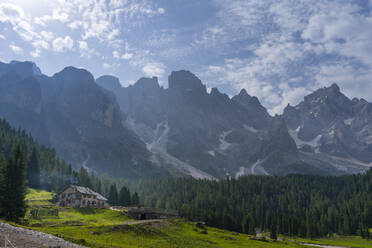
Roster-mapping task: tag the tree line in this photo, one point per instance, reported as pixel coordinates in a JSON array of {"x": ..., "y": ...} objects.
[{"x": 295, "y": 205}]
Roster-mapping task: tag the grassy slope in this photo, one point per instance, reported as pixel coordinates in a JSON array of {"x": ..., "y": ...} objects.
[
  {"x": 103, "y": 227},
  {"x": 348, "y": 241}
]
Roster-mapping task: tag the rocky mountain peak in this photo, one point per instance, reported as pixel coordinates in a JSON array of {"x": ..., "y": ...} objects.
[
  {"x": 23, "y": 69},
  {"x": 243, "y": 93},
  {"x": 185, "y": 81},
  {"x": 27, "y": 66},
  {"x": 109, "y": 82},
  {"x": 215, "y": 93},
  {"x": 247, "y": 100},
  {"x": 255, "y": 110},
  {"x": 334, "y": 87},
  {"x": 73, "y": 75},
  {"x": 327, "y": 95},
  {"x": 147, "y": 83}
]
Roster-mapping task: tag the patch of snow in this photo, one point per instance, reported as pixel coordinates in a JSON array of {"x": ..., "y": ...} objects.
[
  {"x": 253, "y": 168},
  {"x": 332, "y": 133},
  {"x": 85, "y": 162},
  {"x": 313, "y": 143},
  {"x": 345, "y": 165},
  {"x": 224, "y": 145},
  {"x": 240, "y": 173},
  {"x": 159, "y": 147},
  {"x": 261, "y": 171},
  {"x": 212, "y": 153},
  {"x": 348, "y": 121},
  {"x": 252, "y": 129}
]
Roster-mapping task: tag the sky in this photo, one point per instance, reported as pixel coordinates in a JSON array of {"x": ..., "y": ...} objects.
[{"x": 278, "y": 50}]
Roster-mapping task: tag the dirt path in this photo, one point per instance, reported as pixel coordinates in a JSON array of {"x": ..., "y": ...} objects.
[
  {"x": 136, "y": 222},
  {"x": 324, "y": 246},
  {"x": 21, "y": 237}
]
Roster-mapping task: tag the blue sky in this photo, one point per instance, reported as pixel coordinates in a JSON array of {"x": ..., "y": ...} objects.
[{"x": 278, "y": 50}]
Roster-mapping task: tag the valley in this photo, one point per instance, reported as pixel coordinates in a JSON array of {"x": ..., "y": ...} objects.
[{"x": 108, "y": 228}]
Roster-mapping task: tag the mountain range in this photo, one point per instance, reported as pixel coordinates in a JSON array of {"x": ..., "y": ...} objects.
[{"x": 145, "y": 130}]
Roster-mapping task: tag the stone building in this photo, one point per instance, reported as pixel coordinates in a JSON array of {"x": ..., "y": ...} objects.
[{"x": 81, "y": 197}]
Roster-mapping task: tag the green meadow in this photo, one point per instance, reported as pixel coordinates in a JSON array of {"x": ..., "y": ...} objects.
[{"x": 108, "y": 228}]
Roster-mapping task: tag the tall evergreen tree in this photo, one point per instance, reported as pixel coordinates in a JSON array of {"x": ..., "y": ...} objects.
[
  {"x": 33, "y": 170},
  {"x": 2, "y": 171},
  {"x": 113, "y": 195},
  {"x": 99, "y": 186},
  {"x": 83, "y": 177},
  {"x": 135, "y": 198},
  {"x": 273, "y": 234},
  {"x": 124, "y": 197},
  {"x": 13, "y": 201}
]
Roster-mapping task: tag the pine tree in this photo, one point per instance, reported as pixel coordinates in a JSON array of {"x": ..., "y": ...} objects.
[
  {"x": 135, "y": 199},
  {"x": 33, "y": 170},
  {"x": 273, "y": 234},
  {"x": 2, "y": 171},
  {"x": 99, "y": 186},
  {"x": 13, "y": 202},
  {"x": 84, "y": 179},
  {"x": 124, "y": 197},
  {"x": 113, "y": 195}
]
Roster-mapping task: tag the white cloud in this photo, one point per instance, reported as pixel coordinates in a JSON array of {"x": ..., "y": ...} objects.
[
  {"x": 10, "y": 13},
  {"x": 47, "y": 35},
  {"x": 75, "y": 24},
  {"x": 40, "y": 44},
  {"x": 154, "y": 69},
  {"x": 342, "y": 31},
  {"x": 106, "y": 65},
  {"x": 35, "y": 53},
  {"x": 116, "y": 54},
  {"x": 63, "y": 44},
  {"x": 127, "y": 56},
  {"x": 16, "y": 49},
  {"x": 293, "y": 46},
  {"x": 85, "y": 50},
  {"x": 21, "y": 24},
  {"x": 59, "y": 15},
  {"x": 83, "y": 45},
  {"x": 2, "y": 37},
  {"x": 104, "y": 21}
]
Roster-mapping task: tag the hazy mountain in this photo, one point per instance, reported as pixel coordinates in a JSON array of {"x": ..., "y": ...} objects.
[
  {"x": 330, "y": 128},
  {"x": 70, "y": 112},
  {"x": 20, "y": 98},
  {"x": 191, "y": 131},
  {"x": 146, "y": 130}
]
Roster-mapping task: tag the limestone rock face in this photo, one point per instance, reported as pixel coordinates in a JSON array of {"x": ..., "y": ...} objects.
[
  {"x": 185, "y": 126},
  {"x": 73, "y": 114},
  {"x": 146, "y": 130},
  {"x": 334, "y": 127}
]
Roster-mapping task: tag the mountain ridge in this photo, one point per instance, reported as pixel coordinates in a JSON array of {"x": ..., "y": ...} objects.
[{"x": 145, "y": 129}]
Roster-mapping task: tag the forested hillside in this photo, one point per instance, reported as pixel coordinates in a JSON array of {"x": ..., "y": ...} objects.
[
  {"x": 54, "y": 173},
  {"x": 42, "y": 168},
  {"x": 307, "y": 206}
]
